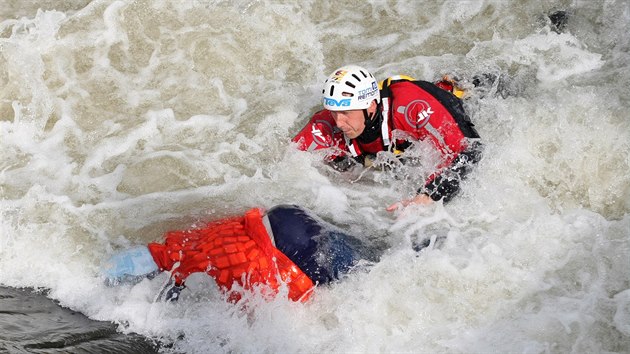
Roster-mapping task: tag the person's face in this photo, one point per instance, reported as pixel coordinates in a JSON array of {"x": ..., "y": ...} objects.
[{"x": 352, "y": 123}]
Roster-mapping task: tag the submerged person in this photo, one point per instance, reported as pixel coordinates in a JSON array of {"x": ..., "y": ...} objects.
[
  {"x": 286, "y": 244},
  {"x": 360, "y": 116}
]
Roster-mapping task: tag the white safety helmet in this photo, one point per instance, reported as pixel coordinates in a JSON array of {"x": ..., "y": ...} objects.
[{"x": 350, "y": 87}]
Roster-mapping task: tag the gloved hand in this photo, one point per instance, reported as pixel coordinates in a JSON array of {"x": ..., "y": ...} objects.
[{"x": 129, "y": 266}]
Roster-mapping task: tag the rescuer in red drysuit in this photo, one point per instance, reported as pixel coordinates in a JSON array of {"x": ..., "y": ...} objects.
[{"x": 361, "y": 114}]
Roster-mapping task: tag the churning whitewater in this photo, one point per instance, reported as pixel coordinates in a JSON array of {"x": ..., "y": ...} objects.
[{"x": 121, "y": 120}]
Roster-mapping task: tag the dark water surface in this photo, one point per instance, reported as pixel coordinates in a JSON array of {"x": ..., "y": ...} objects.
[{"x": 32, "y": 323}]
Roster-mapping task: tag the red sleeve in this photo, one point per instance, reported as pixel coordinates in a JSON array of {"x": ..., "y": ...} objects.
[
  {"x": 445, "y": 85},
  {"x": 321, "y": 133},
  {"x": 158, "y": 252}
]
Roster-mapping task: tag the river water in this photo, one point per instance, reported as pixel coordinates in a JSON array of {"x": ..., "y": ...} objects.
[{"x": 120, "y": 120}]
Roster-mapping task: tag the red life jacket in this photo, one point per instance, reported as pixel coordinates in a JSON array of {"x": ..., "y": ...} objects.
[{"x": 234, "y": 250}]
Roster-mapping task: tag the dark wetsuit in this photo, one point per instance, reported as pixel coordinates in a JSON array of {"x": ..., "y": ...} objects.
[{"x": 321, "y": 250}]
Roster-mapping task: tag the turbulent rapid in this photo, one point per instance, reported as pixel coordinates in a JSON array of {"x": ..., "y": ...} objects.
[{"x": 121, "y": 120}]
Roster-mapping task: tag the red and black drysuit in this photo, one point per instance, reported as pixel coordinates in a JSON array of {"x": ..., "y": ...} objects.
[{"x": 423, "y": 111}]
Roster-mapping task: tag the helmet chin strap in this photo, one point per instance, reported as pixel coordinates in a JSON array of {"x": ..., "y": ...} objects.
[
  {"x": 368, "y": 117},
  {"x": 372, "y": 124}
]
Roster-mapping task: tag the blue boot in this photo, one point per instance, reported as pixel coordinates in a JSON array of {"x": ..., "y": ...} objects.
[{"x": 129, "y": 266}]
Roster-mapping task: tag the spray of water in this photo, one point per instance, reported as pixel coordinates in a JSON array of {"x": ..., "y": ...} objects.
[{"x": 120, "y": 120}]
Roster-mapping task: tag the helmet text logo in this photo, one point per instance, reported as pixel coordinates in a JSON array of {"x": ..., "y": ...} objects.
[{"x": 333, "y": 102}]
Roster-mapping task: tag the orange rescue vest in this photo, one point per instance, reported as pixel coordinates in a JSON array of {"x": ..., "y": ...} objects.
[{"x": 234, "y": 250}]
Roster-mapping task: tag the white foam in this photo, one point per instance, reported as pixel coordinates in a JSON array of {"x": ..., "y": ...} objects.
[{"x": 121, "y": 121}]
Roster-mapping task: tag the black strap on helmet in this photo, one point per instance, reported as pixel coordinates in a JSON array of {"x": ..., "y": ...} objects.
[{"x": 372, "y": 126}]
